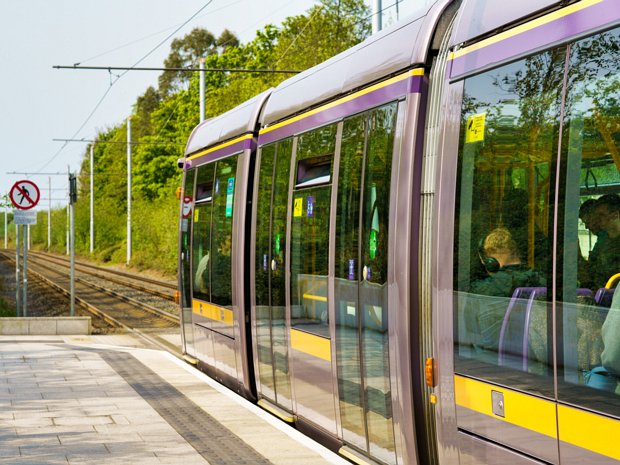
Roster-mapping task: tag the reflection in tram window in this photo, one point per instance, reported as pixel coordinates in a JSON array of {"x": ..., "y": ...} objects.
[
  {"x": 360, "y": 286},
  {"x": 588, "y": 352},
  {"x": 270, "y": 263},
  {"x": 509, "y": 126},
  {"x": 221, "y": 231},
  {"x": 202, "y": 233},
  {"x": 310, "y": 230}
]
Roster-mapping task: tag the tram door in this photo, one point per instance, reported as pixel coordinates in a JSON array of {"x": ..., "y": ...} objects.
[
  {"x": 360, "y": 291},
  {"x": 311, "y": 341},
  {"x": 270, "y": 286}
]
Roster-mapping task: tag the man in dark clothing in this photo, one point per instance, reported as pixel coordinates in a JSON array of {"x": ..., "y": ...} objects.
[
  {"x": 605, "y": 263},
  {"x": 506, "y": 272}
]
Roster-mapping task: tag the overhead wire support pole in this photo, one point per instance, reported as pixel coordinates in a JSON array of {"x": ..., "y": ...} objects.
[
  {"x": 92, "y": 199},
  {"x": 202, "y": 89},
  {"x": 128, "y": 189},
  {"x": 211, "y": 70},
  {"x": 49, "y": 217},
  {"x": 376, "y": 16},
  {"x": 72, "y": 199}
]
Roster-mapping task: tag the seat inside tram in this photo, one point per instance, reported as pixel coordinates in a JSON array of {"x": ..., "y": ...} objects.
[{"x": 537, "y": 224}]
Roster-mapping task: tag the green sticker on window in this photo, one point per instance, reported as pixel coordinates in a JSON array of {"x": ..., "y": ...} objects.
[
  {"x": 372, "y": 244},
  {"x": 230, "y": 189},
  {"x": 277, "y": 245}
]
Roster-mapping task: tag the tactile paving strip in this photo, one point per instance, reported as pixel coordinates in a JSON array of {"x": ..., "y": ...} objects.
[{"x": 217, "y": 444}]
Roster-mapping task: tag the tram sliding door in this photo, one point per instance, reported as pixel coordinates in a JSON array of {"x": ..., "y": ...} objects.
[
  {"x": 536, "y": 321},
  {"x": 311, "y": 339},
  {"x": 360, "y": 291},
  {"x": 269, "y": 279},
  {"x": 502, "y": 275}
]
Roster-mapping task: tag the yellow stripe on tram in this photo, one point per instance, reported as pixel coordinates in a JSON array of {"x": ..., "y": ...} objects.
[
  {"x": 327, "y": 106},
  {"x": 520, "y": 409},
  {"x": 221, "y": 146},
  {"x": 310, "y": 344},
  {"x": 213, "y": 312},
  {"x": 525, "y": 27},
  {"x": 589, "y": 431}
]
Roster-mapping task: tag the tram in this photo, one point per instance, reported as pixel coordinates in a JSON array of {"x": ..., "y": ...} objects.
[{"x": 391, "y": 250}]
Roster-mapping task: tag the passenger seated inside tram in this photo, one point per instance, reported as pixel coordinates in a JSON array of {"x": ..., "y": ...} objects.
[
  {"x": 590, "y": 220},
  {"x": 607, "y": 376},
  {"x": 604, "y": 260},
  {"x": 506, "y": 271}
]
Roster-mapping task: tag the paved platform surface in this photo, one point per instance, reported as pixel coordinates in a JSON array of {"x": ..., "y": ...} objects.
[{"x": 108, "y": 400}]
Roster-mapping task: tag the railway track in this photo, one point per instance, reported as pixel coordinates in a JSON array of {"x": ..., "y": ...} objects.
[
  {"x": 124, "y": 306},
  {"x": 163, "y": 289}
]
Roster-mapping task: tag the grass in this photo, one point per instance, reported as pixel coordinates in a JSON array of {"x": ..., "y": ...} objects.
[{"x": 6, "y": 310}]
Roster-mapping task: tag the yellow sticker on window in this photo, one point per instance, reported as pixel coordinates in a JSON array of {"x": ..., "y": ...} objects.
[
  {"x": 475, "y": 128},
  {"x": 298, "y": 207}
]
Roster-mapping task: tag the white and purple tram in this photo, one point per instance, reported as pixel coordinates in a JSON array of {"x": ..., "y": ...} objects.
[{"x": 391, "y": 250}]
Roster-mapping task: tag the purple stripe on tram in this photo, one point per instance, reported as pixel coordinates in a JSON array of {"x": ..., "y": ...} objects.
[
  {"x": 579, "y": 22},
  {"x": 222, "y": 153},
  {"x": 377, "y": 97}
]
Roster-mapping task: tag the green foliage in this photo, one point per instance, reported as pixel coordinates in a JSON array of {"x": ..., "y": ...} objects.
[{"x": 164, "y": 118}]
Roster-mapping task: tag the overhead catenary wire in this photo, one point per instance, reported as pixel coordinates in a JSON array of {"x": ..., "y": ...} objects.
[{"x": 105, "y": 94}]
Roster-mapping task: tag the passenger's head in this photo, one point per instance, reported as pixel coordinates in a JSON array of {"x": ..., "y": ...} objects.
[
  {"x": 608, "y": 213},
  {"x": 588, "y": 216},
  {"x": 500, "y": 245}
]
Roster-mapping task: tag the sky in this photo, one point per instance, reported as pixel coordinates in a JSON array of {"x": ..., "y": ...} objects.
[{"x": 39, "y": 103}]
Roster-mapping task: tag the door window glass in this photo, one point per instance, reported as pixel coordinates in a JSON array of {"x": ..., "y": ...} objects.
[
  {"x": 221, "y": 232},
  {"x": 310, "y": 230},
  {"x": 588, "y": 316},
  {"x": 509, "y": 133},
  {"x": 201, "y": 244},
  {"x": 362, "y": 353},
  {"x": 348, "y": 357},
  {"x": 381, "y": 124},
  {"x": 261, "y": 270}
]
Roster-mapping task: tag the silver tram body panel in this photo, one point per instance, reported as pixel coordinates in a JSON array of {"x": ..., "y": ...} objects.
[
  {"x": 220, "y": 341},
  {"x": 304, "y": 325}
]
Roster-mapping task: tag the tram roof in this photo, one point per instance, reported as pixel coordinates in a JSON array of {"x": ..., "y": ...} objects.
[
  {"x": 236, "y": 122},
  {"x": 390, "y": 51},
  {"x": 481, "y": 17}
]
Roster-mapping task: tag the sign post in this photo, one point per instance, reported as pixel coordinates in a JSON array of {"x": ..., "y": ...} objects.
[{"x": 24, "y": 195}]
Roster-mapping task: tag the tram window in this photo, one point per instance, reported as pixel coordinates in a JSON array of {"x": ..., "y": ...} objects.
[
  {"x": 221, "y": 231},
  {"x": 310, "y": 235},
  {"x": 588, "y": 315},
  {"x": 509, "y": 125},
  {"x": 201, "y": 243}
]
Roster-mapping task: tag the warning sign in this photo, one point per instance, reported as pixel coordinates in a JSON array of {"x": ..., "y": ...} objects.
[
  {"x": 188, "y": 204},
  {"x": 475, "y": 128},
  {"x": 24, "y": 195},
  {"x": 298, "y": 207}
]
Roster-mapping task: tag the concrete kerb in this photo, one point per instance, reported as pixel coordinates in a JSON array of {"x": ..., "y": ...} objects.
[{"x": 48, "y": 326}]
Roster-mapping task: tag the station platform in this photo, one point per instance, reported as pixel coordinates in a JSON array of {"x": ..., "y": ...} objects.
[{"x": 109, "y": 400}]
